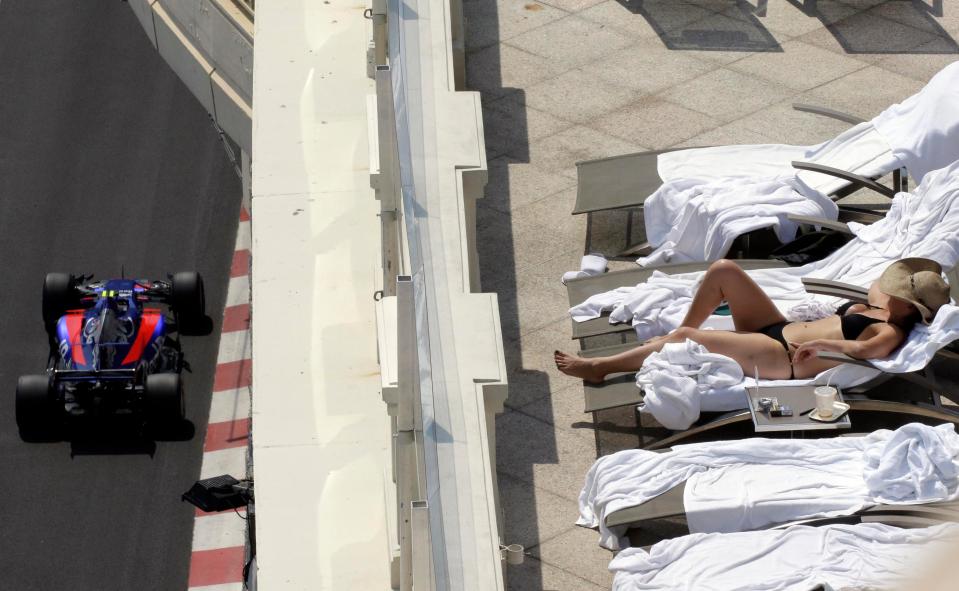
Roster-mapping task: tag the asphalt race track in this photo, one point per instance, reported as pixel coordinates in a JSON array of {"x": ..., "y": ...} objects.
[{"x": 107, "y": 162}]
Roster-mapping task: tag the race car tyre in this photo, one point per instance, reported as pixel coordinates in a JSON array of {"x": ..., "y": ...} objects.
[
  {"x": 58, "y": 296},
  {"x": 189, "y": 300},
  {"x": 164, "y": 398},
  {"x": 35, "y": 408}
]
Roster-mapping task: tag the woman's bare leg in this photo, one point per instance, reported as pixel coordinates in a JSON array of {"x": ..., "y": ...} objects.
[
  {"x": 725, "y": 280},
  {"x": 595, "y": 369},
  {"x": 751, "y": 351}
]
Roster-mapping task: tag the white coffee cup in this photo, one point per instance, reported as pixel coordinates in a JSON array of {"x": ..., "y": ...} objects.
[{"x": 825, "y": 398}]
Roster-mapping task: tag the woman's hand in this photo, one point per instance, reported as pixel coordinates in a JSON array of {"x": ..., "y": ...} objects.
[{"x": 808, "y": 350}]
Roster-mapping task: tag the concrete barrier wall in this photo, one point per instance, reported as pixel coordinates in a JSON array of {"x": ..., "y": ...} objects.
[{"x": 209, "y": 44}]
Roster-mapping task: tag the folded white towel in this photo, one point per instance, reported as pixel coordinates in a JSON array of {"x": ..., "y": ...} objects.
[{"x": 592, "y": 264}]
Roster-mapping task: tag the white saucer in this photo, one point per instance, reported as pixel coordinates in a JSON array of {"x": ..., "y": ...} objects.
[{"x": 838, "y": 410}]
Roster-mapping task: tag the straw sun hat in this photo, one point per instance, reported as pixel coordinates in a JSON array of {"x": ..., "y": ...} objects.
[{"x": 917, "y": 281}]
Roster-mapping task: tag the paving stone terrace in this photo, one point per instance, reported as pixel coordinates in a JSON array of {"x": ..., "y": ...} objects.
[{"x": 569, "y": 80}]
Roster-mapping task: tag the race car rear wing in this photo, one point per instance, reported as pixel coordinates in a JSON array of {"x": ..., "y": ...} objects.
[{"x": 78, "y": 375}]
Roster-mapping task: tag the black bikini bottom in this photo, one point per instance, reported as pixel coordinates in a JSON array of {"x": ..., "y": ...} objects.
[{"x": 775, "y": 331}]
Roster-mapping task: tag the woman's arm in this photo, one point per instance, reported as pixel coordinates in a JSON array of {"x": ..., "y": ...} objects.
[{"x": 881, "y": 343}]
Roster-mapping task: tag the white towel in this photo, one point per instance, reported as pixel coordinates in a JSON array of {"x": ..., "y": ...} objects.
[
  {"x": 712, "y": 195},
  {"x": 676, "y": 378},
  {"x": 915, "y": 464},
  {"x": 798, "y": 558},
  {"x": 592, "y": 264},
  {"x": 713, "y": 214},
  {"x": 923, "y": 130},
  {"x": 756, "y": 482},
  {"x": 809, "y": 310}
]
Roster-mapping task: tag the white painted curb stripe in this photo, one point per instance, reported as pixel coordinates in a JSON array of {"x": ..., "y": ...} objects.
[
  {"x": 244, "y": 237},
  {"x": 226, "y": 531},
  {"x": 230, "y": 405},
  {"x": 239, "y": 291},
  {"x": 219, "y": 530},
  {"x": 230, "y": 461},
  {"x": 235, "y": 346}
]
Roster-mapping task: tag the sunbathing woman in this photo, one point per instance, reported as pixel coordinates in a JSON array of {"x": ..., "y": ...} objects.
[{"x": 909, "y": 291}]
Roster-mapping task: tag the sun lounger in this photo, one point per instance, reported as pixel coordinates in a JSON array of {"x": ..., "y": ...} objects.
[
  {"x": 670, "y": 505},
  {"x": 736, "y": 485},
  {"x": 918, "y": 134},
  {"x": 621, "y": 390},
  {"x": 932, "y": 200},
  {"x": 624, "y": 182},
  {"x": 921, "y": 224},
  {"x": 579, "y": 290},
  {"x": 885, "y": 553}
]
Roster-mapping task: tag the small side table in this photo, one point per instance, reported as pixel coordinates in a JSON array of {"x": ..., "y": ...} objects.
[{"x": 800, "y": 398}]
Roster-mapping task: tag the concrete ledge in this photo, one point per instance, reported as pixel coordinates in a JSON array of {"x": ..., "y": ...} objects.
[{"x": 321, "y": 431}]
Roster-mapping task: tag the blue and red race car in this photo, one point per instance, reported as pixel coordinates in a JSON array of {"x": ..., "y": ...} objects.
[{"x": 114, "y": 349}]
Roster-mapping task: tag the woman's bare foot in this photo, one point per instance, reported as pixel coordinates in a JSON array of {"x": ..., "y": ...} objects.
[{"x": 578, "y": 367}]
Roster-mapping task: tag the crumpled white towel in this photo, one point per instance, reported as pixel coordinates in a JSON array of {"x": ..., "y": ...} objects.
[
  {"x": 755, "y": 482},
  {"x": 923, "y": 130},
  {"x": 712, "y": 195},
  {"x": 592, "y": 264},
  {"x": 676, "y": 378},
  {"x": 923, "y": 342},
  {"x": 622, "y": 303},
  {"x": 809, "y": 310},
  {"x": 661, "y": 289},
  {"x": 915, "y": 464},
  {"x": 715, "y": 213},
  {"x": 798, "y": 558}
]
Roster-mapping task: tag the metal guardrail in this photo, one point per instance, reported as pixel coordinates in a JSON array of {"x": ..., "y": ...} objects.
[
  {"x": 443, "y": 533},
  {"x": 413, "y": 571}
]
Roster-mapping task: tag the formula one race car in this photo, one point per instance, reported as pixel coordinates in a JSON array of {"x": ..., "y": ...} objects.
[{"x": 112, "y": 350}]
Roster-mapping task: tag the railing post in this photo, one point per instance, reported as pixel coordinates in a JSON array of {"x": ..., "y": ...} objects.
[
  {"x": 386, "y": 134},
  {"x": 407, "y": 465},
  {"x": 380, "y": 37},
  {"x": 377, "y": 46},
  {"x": 386, "y": 185},
  {"x": 422, "y": 548}
]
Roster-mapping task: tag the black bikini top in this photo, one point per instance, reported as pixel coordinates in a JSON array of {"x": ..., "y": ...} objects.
[{"x": 854, "y": 324}]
